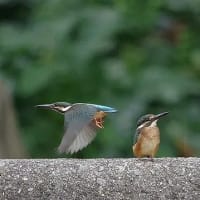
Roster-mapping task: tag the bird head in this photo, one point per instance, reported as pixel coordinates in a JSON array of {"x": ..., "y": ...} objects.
[
  {"x": 60, "y": 107},
  {"x": 149, "y": 120}
]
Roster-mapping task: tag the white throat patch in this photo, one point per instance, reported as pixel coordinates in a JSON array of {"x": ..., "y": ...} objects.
[{"x": 153, "y": 124}]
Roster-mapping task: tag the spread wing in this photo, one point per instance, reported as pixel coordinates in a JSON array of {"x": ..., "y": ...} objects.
[
  {"x": 85, "y": 137},
  {"x": 77, "y": 119}
]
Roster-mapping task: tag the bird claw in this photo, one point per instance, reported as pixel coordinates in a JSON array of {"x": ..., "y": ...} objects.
[{"x": 99, "y": 122}]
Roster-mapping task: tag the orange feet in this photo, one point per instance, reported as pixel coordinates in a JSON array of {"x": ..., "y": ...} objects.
[{"x": 99, "y": 122}]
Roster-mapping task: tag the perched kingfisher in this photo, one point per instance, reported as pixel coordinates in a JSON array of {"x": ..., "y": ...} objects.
[
  {"x": 147, "y": 136},
  {"x": 81, "y": 120}
]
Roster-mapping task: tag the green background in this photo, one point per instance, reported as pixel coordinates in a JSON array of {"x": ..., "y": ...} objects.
[{"x": 137, "y": 56}]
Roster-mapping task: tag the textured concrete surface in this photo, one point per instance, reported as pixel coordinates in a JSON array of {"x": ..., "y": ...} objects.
[{"x": 166, "y": 178}]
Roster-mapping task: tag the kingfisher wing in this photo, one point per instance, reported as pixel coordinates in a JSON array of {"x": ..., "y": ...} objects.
[
  {"x": 137, "y": 133},
  {"x": 77, "y": 118},
  {"x": 86, "y": 135}
]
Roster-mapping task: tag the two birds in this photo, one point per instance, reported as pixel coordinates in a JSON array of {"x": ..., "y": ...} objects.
[{"x": 82, "y": 120}]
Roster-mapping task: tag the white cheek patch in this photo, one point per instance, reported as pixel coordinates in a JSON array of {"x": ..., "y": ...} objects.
[
  {"x": 141, "y": 126},
  {"x": 153, "y": 124},
  {"x": 64, "y": 109}
]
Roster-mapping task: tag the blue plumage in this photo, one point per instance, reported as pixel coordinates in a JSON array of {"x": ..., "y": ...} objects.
[
  {"x": 104, "y": 108},
  {"x": 82, "y": 120}
]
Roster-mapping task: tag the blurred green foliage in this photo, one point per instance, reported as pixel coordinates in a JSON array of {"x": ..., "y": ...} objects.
[{"x": 137, "y": 56}]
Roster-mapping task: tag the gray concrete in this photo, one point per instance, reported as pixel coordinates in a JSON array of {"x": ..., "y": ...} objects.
[{"x": 166, "y": 178}]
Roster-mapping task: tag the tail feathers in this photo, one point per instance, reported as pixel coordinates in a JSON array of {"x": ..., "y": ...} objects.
[{"x": 105, "y": 108}]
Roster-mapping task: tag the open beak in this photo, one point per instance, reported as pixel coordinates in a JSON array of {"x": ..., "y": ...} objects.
[
  {"x": 158, "y": 116},
  {"x": 45, "y": 106}
]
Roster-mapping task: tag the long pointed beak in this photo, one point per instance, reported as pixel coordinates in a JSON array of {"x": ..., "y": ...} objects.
[
  {"x": 158, "y": 116},
  {"x": 45, "y": 106}
]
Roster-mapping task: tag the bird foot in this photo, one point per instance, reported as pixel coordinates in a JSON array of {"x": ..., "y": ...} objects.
[
  {"x": 151, "y": 158},
  {"x": 99, "y": 122}
]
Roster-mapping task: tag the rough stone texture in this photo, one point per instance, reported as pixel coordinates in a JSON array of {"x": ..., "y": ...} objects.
[{"x": 165, "y": 178}]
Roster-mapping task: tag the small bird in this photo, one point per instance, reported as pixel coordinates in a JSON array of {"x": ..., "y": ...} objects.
[
  {"x": 81, "y": 121},
  {"x": 147, "y": 136}
]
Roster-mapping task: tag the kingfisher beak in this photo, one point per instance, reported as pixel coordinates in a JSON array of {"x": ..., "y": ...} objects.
[
  {"x": 158, "y": 116},
  {"x": 45, "y": 106}
]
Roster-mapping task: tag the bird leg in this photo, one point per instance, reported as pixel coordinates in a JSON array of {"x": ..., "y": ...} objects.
[
  {"x": 151, "y": 158},
  {"x": 99, "y": 122},
  {"x": 99, "y": 116}
]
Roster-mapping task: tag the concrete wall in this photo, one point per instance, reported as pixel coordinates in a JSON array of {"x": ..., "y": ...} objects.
[{"x": 164, "y": 178}]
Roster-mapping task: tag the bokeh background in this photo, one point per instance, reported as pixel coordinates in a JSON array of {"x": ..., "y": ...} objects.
[{"x": 137, "y": 56}]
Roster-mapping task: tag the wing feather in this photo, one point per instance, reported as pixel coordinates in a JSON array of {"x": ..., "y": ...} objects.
[
  {"x": 85, "y": 137},
  {"x": 76, "y": 119},
  {"x": 137, "y": 133}
]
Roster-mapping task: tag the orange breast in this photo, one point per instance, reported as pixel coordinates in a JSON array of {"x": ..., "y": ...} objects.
[
  {"x": 100, "y": 115},
  {"x": 147, "y": 143}
]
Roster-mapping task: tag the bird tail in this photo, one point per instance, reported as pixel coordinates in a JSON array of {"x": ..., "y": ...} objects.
[{"x": 106, "y": 108}]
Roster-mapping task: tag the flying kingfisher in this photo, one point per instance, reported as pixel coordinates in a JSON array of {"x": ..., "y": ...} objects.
[
  {"x": 147, "y": 136},
  {"x": 81, "y": 120}
]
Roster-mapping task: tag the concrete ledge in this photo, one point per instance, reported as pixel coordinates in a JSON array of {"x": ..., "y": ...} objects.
[{"x": 165, "y": 178}]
